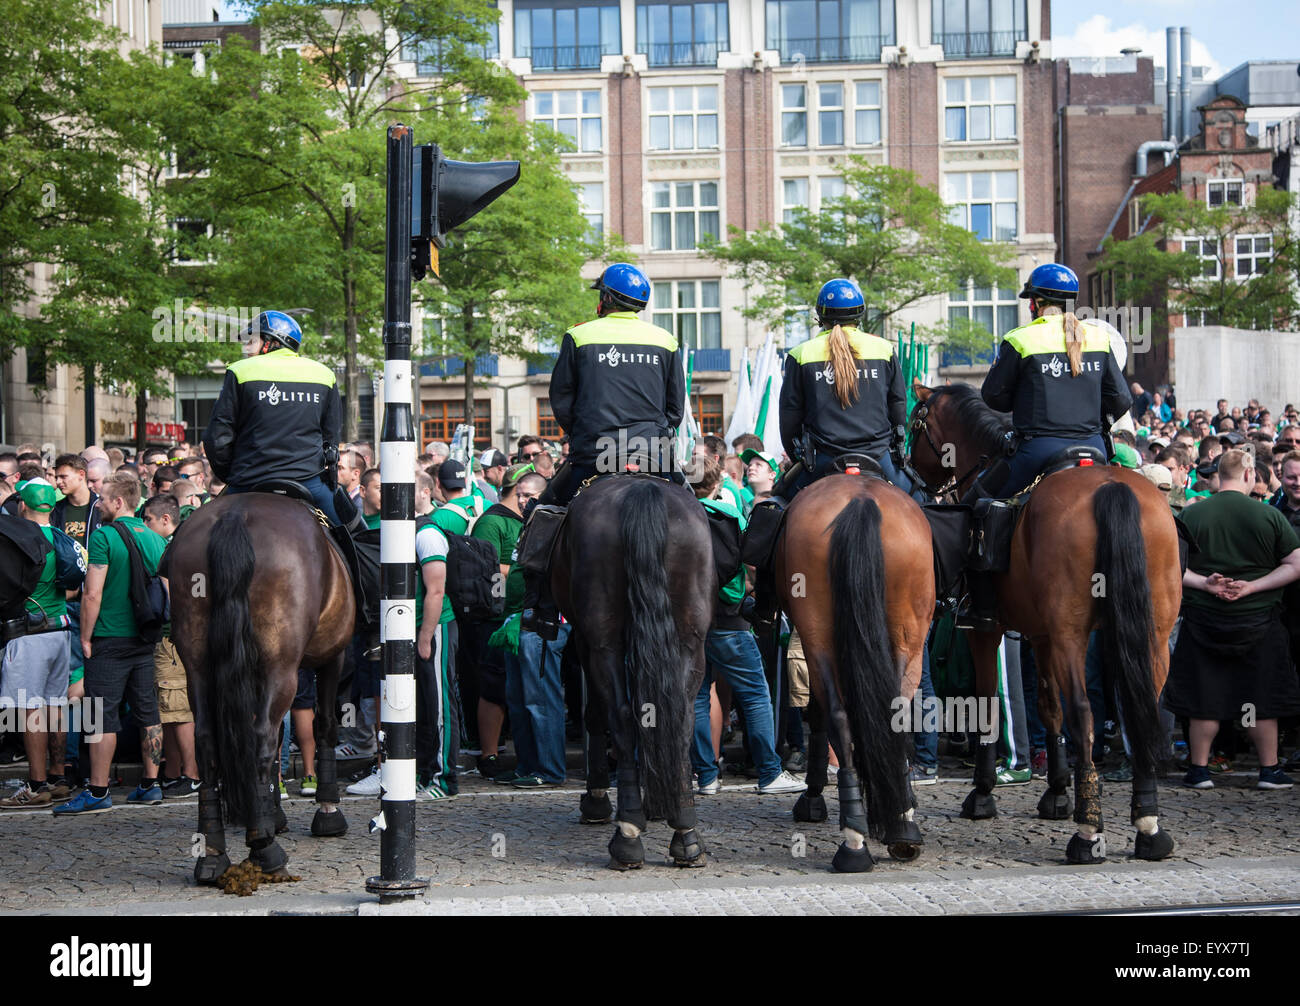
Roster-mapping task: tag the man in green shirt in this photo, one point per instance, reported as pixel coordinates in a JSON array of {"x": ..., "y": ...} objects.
[
  {"x": 1231, "y": 659},
  {"x": 34, "y": 672},
  {"x": 370, "y": 497},
  {"x": 118, "y": 663}
]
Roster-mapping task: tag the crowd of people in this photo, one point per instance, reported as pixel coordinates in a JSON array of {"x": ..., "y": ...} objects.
[{"x": 1233, "y": 477}]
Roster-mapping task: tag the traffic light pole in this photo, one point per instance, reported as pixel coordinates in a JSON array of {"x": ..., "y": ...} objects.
[{"x": 396, "y": 819}]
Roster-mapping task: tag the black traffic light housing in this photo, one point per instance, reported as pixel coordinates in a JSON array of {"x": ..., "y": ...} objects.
[{"x": 446, "y": 193}]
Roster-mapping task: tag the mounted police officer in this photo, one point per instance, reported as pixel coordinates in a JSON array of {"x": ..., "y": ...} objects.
[
  {"x": 618, "y": 389},
  {"x": 1057, "y": 376}
]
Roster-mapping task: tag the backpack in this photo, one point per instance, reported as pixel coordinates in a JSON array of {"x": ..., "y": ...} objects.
[
  {"x": 69, "y": 561},
  {"x": 473, "y": 568},
  {"x": 725, "y": 534},
  {"x": 149, "y": 602}
]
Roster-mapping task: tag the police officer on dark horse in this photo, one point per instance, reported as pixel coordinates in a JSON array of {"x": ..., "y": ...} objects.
[
  {"x": 258, "y": 591},
  {"x": 640, "y": 598}
]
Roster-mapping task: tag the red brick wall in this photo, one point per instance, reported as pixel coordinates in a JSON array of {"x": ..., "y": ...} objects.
[
  {"x": 914, "y": 120},
  {"x": 625, "y": 195},
  {"x": 747, "y": 164},
  {"x": 1039, "y": 133}
]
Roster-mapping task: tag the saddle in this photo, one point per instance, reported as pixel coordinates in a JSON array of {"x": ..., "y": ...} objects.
[{"x": 1077, "y": 456}]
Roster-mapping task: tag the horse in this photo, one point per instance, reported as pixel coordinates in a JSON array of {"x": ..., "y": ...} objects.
[
  {"x": 855, "y": 572},
  {"x": 257, "y": 591},
  {"x": 1095, "y": 549},
  {"x": 640, "y": 604}
]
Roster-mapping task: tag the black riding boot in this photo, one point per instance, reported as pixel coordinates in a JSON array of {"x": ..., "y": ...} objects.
[
  {"x": 980, "y": 611},
  {"x": 540, "y": 614},
  {"x": 350, "y": 524}
]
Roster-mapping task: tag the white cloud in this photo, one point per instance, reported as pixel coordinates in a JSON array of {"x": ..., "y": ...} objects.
[{"x": 1098, "y": 37}]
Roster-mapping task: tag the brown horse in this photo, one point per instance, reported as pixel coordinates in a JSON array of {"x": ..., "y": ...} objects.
[
  {"x": 1095, "y": 550},
  {"x": 257, "y": 591},
  {"x": 855, "y": 572}
]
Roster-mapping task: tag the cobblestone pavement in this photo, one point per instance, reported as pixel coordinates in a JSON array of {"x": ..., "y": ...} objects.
[{"x": 1236, "y": 843}]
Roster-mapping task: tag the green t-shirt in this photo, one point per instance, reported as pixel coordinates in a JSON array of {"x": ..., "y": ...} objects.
[
  {"x": 735, "y": 495},
  {"x": 107, "y": 549},
  {"x": 47, "y": 597},
  {"x": 371, "y": 519},
  {"x": 455, "y": 514},
  {"x": 1241, "y": 538},
  {"x": 502, "y": 528},
  {"x": 733, "y": 591}
]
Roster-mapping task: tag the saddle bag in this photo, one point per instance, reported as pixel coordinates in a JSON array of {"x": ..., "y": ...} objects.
[
  {"x": 761, "y": 535},
  {"x": 537, "y": 540},
  {"x": 366, "y": 545},
  {"x": 994, "y": 524},
  {"x": 950, "y": 534}
]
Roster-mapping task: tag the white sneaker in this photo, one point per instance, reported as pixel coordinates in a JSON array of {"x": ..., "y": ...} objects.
[
  {"x": 784, "y": 783},
  {"x": 369, "y": 786},
  {"x": 710, "y": 788}
]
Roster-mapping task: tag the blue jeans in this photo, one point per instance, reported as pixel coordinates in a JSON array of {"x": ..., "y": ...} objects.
[
  {"x": 926, "y": 742},
  {"x": 535, "y": 700},
  {"x": 1032, "y": 455},
  {"x": 735, "y": 656},
  {"x": 321, "y": 494}
]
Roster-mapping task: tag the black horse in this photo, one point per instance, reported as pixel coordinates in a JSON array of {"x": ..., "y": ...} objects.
[{"x": 640, "y": 600}]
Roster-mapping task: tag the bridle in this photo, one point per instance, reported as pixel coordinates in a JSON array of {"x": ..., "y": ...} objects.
[{"x": 920, "y": 424}]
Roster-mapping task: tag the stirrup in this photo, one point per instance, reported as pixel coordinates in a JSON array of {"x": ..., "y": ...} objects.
[{"x": 543, "y": 621}]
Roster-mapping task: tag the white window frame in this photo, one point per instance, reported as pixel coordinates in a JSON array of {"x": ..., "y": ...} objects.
[
  {"x": 800, "y": 184},
  {"x": 878, "y": 108},
  {"x": 1199, "y": 251},
  {"x": 794, "y": 112},
  {"x": 593, "y": 206},
  {"x": 580, "y": 116},
  {"x": 960, "y": 211},
  {"x": 1003, "y": 303},
  {"x": 674, "y": 114},
  {"x": 1225, "y": 185},
  {"x": 172, "y": 226},
  {"x": 675, "y": 210},
  {"x": 1255, "y": 257},
  {"x": 824, "y": 110},
  {"x": 992, "y": 104},
  {"x": 671, "y": 317}
]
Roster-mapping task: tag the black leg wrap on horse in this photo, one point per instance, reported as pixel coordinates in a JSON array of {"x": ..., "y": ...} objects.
[
  {"x": 595, "y": 809},
  {"x": 625, "y": 853},
  {"x": 684, "y": 819},
  {"x": 1144, "y": 802},
  {"x": 281, "y": 822},
  {"x": 327, "y": 782},
  {"x": 1058, "y": 766},
  {"x": 818, "y": 761},
  {"x": 986, "y": 775},
  {"x": 630, "y": 810},
  {"x": 209, "y": 869},
  {"x": 1087, "y": 787},
  {"x": 687, "y": 849},
  {"x": 810, "y": 809},
  {"x": 853, "y": 814}
]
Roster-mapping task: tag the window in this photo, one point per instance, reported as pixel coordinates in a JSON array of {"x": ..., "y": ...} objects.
[
  {"x": 1207, "y": 250},
  {"x": 827, "y": 31},
  {"x": 575, "y": 114},
  {"x": 1224, "y": 192},
  {"x": 37, "y": 366},
  {"x": 692, "y": 309},
  {"x": 794, "y": 192},
  {"x": 548, "y": 427},
  {"x": 681, "y": 34},
  {"x": 830, "y": 114},
  {"x": 189, "y": 241},
  {"x": 592, "y": 197},
  {"x": 977, "y": 29},
  {"x": 794, "y": 115},
  {"x": 433, "y": 56},
  {"x": 683, "y": 118},
  {"x": 681, "y": 212},
  {"x": 1253, "y": 255},
  {"x": 979, "y": 109},
  {"x": 568, "y": 37},
  {"x": 996, "y": 310},
  {"x": 707, "y": 410},
  {"x": 440, "y": 420},
  {"x": 984, "y": 202},
  {"x": 866, "y": 112}
]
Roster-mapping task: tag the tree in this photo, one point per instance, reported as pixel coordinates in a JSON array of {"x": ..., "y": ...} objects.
[
  {"x": 889, "y": 232},
  {"x": 1180, "y": 263}
]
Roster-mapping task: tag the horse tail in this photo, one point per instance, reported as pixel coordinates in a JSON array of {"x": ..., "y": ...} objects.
[
  {"x": 232, "y": 683},
  {"x": 865, "y": 658},
  {"x": 657, "y": 687},
  {"x": 1127, "y": 621},
  {"x": 846, "y": 367}
]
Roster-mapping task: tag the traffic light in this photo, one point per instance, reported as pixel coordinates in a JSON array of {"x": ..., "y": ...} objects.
[{"x": 446, "y": 193}]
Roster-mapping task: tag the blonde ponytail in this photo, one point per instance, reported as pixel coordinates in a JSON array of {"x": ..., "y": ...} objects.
[
  {"x": 846, "y": 367},
  {"x": 1074, "y": 343}
]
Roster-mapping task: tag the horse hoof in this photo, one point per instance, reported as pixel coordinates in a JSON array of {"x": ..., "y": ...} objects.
[
  {"x": 325, "y": 825},
  {"x": 979, "y": 806},
  {"x": 848, "y": 860},
  {"x": 209, "y": 869},
  {"x": 687, "y": 849},
  {"x": 281, "y": 822},
  {"x": 595, "y": 809},
  {"x": 269, "y": 858},
  {"x": 625, "y": 853},
  {"x": 1153, "y": 847},
  {"x": 810, "y": 809},
  {"x": 1054, "y": 806},
  {"x": 1083, "y": 852},
  {"x": 905, "y": 852}
]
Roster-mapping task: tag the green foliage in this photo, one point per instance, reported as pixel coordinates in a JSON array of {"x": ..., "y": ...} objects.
[
  {"x": 890, "y": 233},
  {"x": 1154, "y": 268}
]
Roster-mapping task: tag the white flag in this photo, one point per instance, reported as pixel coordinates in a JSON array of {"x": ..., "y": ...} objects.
[{"x": 742, "y": 419}]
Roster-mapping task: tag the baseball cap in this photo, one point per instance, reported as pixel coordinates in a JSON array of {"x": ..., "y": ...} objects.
[
  {"x": 493, "y": 459},
  {"x": 1158, "y": 475},
  {"x": 750, "y": 454},
  {"x": 1127, "y": 456},
  {"x": 1233, "y": 438},
  {"x": 1207, "y": 468},
  {"x": 1159, "y": 441},
  {"x": 38, "y": 494},
  {"x": 451, "y": 474}
]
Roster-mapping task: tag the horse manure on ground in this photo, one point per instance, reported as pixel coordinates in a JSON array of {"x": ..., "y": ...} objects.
[{"x": 245, "y": 878}]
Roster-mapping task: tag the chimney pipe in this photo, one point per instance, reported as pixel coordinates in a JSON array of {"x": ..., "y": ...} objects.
[
  {"x": 1189, "y": 128},
  {"x": 1173, "y": 128}
]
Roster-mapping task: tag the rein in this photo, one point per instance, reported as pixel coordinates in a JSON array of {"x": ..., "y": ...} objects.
[{"x": 920, "y": 423}]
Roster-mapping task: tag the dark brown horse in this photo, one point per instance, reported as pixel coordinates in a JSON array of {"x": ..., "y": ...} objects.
[
  {"x": 855, "y": 572},
  {"x": 1095, "y": 550},
  {"x": 257, "y": 591},
  {"x": 641, "y": 600}
]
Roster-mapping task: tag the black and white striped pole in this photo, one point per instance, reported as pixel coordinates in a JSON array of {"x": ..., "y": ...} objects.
[{"x": 396, "y": 819}]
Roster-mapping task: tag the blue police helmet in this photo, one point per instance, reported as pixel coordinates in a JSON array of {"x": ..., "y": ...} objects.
[
  {"x": 624, "y": 284},
  {"x": 840, "y": 300},
  {"x": 1052, "y": 281},
  {"x": 277, "y": 327}
]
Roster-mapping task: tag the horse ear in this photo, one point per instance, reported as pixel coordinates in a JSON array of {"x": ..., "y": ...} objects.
[{"x": 920, "y": 390}]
